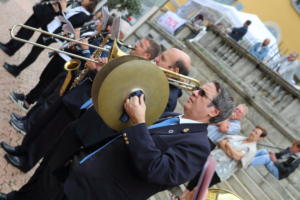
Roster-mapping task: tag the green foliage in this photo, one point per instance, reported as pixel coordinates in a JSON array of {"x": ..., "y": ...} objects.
[{"x": 133, "y": 7}]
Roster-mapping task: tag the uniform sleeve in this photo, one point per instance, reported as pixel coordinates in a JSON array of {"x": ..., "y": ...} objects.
[
  {"x": 79, "y": 19},
  {"x": 177, "y": 164}
]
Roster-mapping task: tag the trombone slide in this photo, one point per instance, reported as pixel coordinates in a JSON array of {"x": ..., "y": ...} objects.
[{"x": 55, "y": 36}]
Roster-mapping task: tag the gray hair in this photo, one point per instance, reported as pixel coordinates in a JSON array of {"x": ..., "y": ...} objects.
[{"x": 224, "y": 102}]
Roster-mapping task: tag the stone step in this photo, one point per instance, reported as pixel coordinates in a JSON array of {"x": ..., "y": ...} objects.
[
  {"x": 225, "y": 186},
  {"x": 260, "y": 182},
  {"x": 269, "y": 184},
  {"x": 251, "y": 185},
  {"x": 240, "y": 189},
  {"x": 164, "y": 195}
]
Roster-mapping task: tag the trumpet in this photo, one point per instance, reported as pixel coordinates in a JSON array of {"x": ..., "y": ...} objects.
[
  {"x": 181, "y": 81},
  {"x": 12, "y": 34}
]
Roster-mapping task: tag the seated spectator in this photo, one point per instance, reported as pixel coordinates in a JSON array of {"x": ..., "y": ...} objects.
[
  {"x": 260, "y": 50},
  {"x": 238, "y": 33},
  {"x": 281, "y": 164},
  {"x": 231, "y": 126},
  {"x": 234, "y": 152},
  {"x": 286, "y": 66}
]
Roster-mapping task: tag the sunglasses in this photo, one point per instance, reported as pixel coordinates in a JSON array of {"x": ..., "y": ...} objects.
[{"x": 203, "y": 93}]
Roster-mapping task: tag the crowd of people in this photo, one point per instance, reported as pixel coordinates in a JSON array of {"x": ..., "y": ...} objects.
[
  {"x": 286, "y": 66},
  {"x": 80, "y": 157}
]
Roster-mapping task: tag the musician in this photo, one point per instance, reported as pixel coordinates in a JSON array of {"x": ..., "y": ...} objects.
[
  {"x": 43, "y": 14},
  {"x": 140, "y": 163},
  {"x": 77, "y": 17},
  {"x": 55, "y": 67},
  {"x": 46, "y": 130},
  {"x": 181, "y": 66}
]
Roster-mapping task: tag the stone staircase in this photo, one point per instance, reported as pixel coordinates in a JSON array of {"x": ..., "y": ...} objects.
[{"x": 273, "y": 103}]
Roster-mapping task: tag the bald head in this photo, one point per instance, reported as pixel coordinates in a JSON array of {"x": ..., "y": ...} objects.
[{"x": 175, "y": 60}]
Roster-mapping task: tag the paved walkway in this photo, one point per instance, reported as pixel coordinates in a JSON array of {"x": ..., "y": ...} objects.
[{"x": 14, "y": 12}]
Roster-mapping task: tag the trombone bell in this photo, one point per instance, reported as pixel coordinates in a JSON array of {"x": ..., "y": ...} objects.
[{"x": 116, "y": 51}]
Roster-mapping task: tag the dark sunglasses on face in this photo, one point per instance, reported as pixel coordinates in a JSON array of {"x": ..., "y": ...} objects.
[{"x": 202, "y": 93}]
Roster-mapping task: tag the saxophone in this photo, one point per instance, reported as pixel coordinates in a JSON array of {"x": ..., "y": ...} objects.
[{"x": 85, "y": 70}]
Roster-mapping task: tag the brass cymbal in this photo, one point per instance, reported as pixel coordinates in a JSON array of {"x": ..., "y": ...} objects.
[
  {"x": 111, "y": 65},
  {"x": 125, "y": 78}
]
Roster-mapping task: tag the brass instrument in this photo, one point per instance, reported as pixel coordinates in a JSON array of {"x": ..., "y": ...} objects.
[
  {"x": 55, "y": 36},
  {"x": 119, "y": 78},
  {"x": 220, "y": 194},
  {"x": 84, "y": 72},
  {"x": 124, "y": 75},
  {"x": 181, "y": 81},
  {"x": 116, "y": 51},
  {"x": 72, "y": 66},
  {"x": 176, "y": 79}
]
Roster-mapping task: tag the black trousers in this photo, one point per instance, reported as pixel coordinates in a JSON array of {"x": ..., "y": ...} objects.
[
  {"x": 53, "y": 68},
  {"x": 47, "y": 98},
  {"x": 35, "y": 52},
  {"x": 47, "y": 181},
  {"x": 42, "y": 137},
  {"x": 43, "y": 185},
  {"x": 193, "y": 183},
  {"x": 23, "y": 33}
]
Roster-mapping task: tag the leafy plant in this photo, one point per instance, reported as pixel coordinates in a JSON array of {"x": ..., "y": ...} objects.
[{"x": 133, "y": 7}]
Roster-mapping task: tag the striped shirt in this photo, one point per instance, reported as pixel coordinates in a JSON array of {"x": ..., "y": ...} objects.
[{"x": 216, "y": 136}]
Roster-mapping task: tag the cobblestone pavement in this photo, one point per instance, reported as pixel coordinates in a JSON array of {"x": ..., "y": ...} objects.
[{"x": 14, "y": 12}]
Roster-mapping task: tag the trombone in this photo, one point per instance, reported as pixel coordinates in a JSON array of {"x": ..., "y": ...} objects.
[
  {"x": 176, "y": 79},
  {"x": 12, "y": 34}
]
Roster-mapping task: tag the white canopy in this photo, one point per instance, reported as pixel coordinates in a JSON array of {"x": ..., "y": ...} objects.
[{"x": 257, "y": 31}]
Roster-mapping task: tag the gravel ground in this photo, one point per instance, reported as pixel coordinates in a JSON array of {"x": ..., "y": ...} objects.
[{"x": 14, "y": 12}]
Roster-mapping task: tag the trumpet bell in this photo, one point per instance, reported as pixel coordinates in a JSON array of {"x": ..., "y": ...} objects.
[{"x": 118, "y": 79}]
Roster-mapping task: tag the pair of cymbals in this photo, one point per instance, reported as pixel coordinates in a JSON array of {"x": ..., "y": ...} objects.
[{"x": 118, "y": 79}]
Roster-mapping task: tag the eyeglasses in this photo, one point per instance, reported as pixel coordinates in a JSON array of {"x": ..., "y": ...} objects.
[{"x": 202, "y": 93}]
